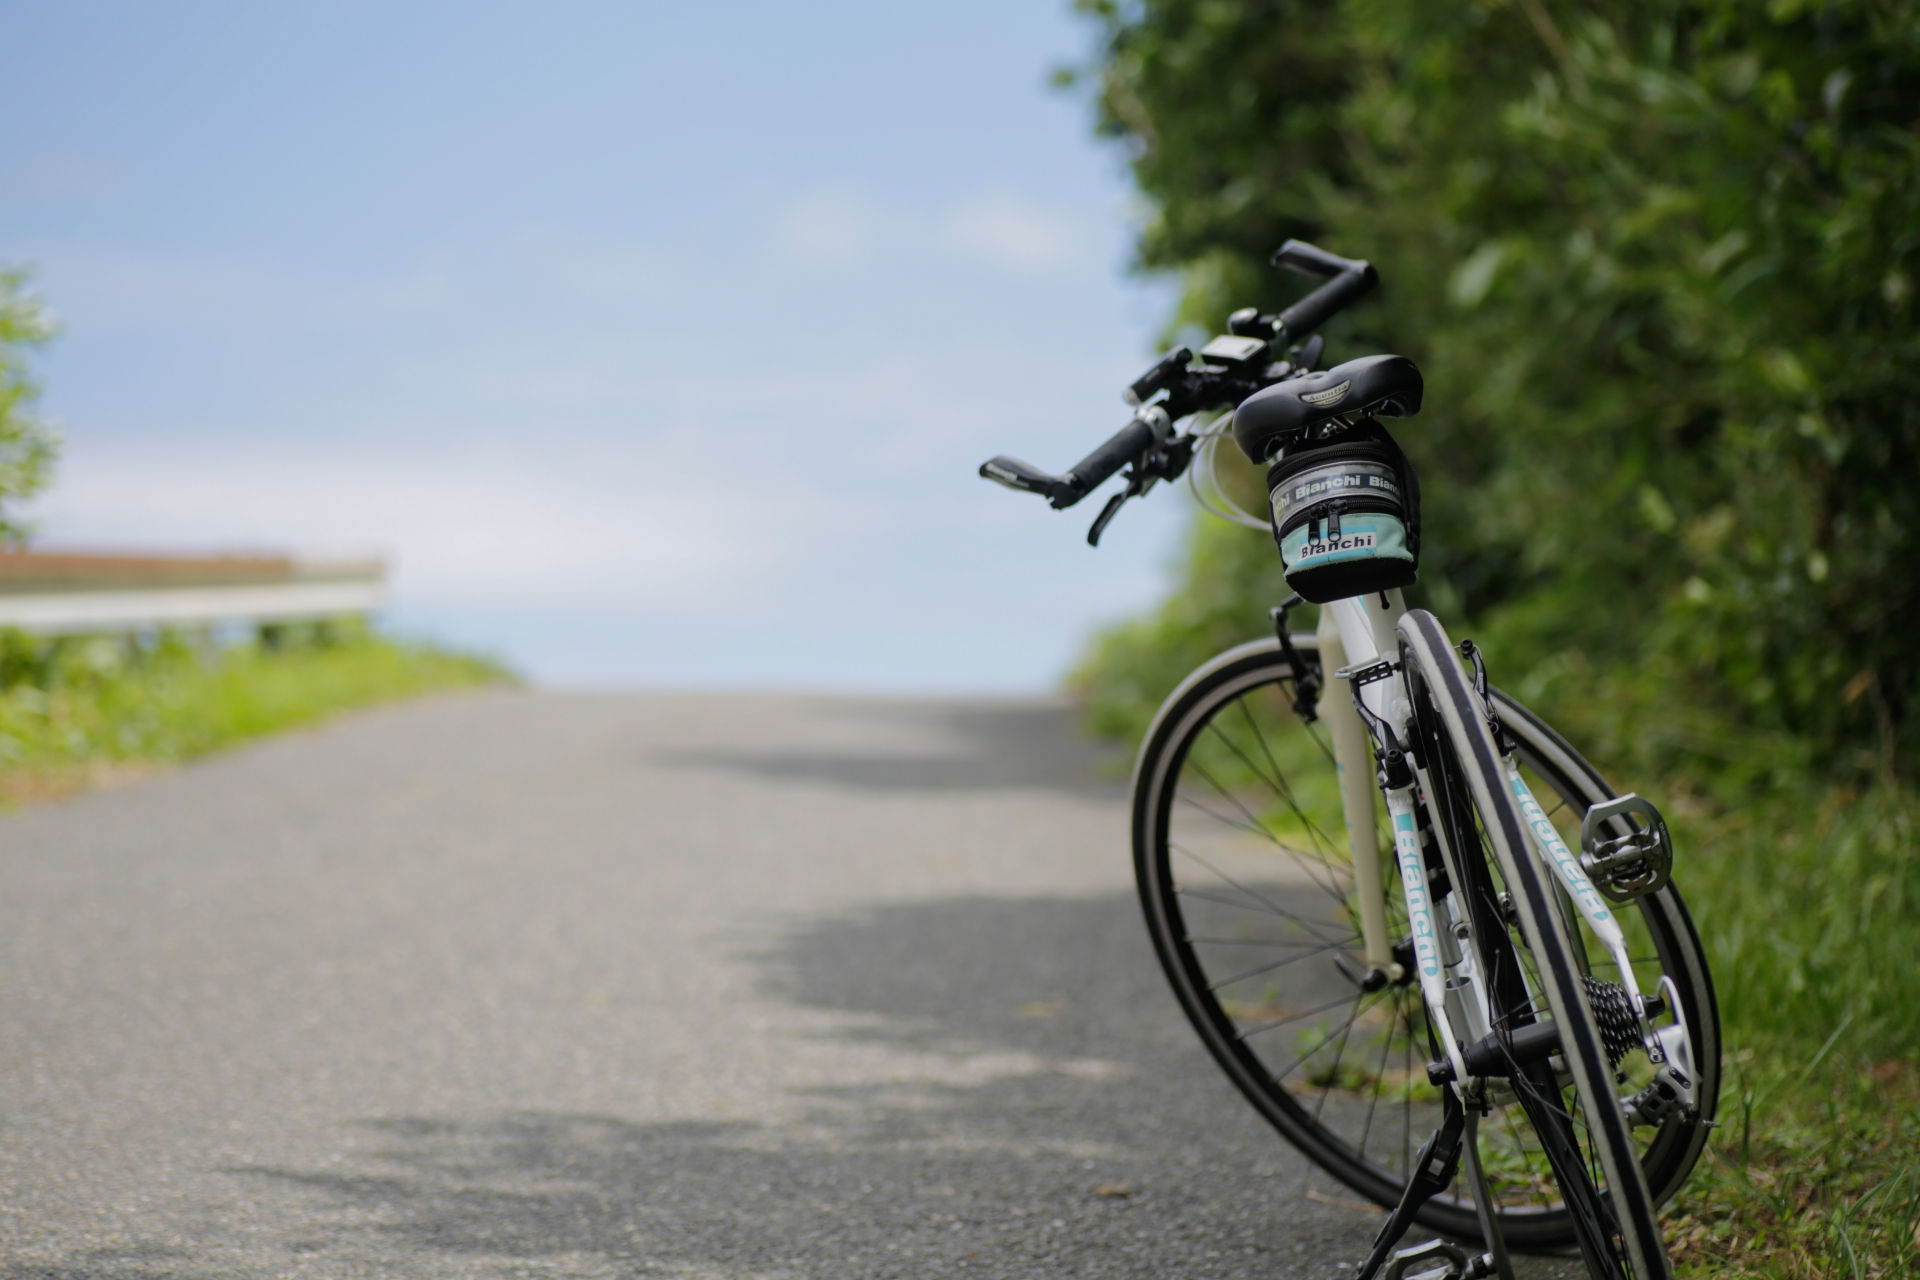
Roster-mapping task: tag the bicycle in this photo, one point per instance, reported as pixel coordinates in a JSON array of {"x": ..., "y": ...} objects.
[{"x": 1356, "y": 857}]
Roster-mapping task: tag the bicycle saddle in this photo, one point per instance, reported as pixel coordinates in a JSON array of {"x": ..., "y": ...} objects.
[{"x": 1388, "y": 386}]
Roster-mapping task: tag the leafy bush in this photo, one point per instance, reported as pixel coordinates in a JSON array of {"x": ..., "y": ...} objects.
[
  {"x": 27, "y": 443},
  {"x": 1657, "y": 263}
]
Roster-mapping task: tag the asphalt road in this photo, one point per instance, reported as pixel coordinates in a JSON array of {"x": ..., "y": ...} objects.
[{"x": 533, "y": 984}]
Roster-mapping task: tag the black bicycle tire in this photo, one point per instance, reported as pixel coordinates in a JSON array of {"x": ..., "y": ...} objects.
[
  {"x": 1428, "y": 657},
  {"x": 1676, "y": 1149}
]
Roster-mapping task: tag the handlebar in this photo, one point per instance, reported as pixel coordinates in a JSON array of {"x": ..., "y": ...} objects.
[
  {"x": 1149, "y": 427},
  {"x": 1348, "y": 280},
  {"x": 1148, "y": 441}
]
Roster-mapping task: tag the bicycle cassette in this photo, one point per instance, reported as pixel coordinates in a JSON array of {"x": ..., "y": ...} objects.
[{"x": 1629, "y": 866}]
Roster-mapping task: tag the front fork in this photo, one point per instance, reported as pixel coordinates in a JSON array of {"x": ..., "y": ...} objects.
[
  {"x": 1354, "y": 760},
  {"x": 1352, "y": 634}
]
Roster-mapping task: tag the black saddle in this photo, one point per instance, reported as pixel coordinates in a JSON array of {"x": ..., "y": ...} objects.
[{"x": 1385, "y": 386}]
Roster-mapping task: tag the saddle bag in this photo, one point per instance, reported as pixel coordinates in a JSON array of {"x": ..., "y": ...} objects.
[{"x": 1346, "y": 514}]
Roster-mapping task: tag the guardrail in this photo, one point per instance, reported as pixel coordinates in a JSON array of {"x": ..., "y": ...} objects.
[{"x": 70, "y": 593}]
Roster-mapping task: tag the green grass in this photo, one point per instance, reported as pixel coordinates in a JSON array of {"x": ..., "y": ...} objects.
[
  {"x": 1812, "y": 1174},
  {"x": 79, "y": 711},
  {"x": 1808, "y": 903}
]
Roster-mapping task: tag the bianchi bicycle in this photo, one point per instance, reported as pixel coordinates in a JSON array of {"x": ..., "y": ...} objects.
[{"x": 1409, "y": 921}]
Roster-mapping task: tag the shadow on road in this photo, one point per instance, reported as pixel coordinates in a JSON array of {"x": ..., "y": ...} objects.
[
  {"x": 1096, "y": 1140},
  {"x": 1006, "y": 746},
  {"x": 1078, "y": 1131}
]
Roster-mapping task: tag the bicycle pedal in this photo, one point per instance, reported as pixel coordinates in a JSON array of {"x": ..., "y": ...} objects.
[
  {"x": 1669, "y": 1092},
  {"x": 1439, "y": 1260},
  {"x": 1630, "y": 866},
  {"x": 1672, "y": 1089}
]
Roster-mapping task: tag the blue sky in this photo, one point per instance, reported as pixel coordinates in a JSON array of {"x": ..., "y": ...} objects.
[{"x": 656, "y": 345}]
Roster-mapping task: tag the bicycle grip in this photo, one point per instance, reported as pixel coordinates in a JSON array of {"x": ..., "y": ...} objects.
[
  {"x": 1351, "y": 280},
  {"x": 1312, "y": 260},
  {"x": 1323, "y": 303},
  {"x": 1147, "y": 428}
]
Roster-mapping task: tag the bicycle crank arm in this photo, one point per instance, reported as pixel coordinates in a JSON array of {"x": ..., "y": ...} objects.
[{"x": 1502, "y": 1056}]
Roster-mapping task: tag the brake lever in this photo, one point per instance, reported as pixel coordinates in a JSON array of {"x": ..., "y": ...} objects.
[
  {"x": 1107, "y": 513},
  {"x": 1139, "y": 478},
  {"x": 1167, "y": 462}
]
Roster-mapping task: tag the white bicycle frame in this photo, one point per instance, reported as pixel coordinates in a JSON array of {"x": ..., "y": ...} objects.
[{"x": 1358, "y": 633}]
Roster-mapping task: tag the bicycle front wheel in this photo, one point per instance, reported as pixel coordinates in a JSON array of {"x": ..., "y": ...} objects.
[{"x": 1247, "y": 887}]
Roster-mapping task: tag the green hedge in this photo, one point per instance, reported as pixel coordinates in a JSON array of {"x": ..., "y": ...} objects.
[{"x": 72, "y": 704}]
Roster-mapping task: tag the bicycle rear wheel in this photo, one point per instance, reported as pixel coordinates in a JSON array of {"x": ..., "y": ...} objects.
[{"x": 1246, "y": 885}]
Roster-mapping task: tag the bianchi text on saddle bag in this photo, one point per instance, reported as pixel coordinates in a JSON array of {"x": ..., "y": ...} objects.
[{"x": 1346, "y": 515}]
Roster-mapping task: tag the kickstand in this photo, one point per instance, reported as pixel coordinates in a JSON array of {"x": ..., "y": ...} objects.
[
  {"x": 1438, "y": 1163},
  {"x": 1483, "y": 1199},
  {"x": 1433, "y": 1173}
]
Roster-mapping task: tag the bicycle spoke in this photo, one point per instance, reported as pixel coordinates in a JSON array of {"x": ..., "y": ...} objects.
[
  {"x": 1269, "y": 968},
  {"x": 1252, "y": 827},
  {"x": 1326, "y": 747},
  {"x": 1273, "y": 907},
  {"x": 1266, "y": 909},
  {"x": 1406, "y": 1116},
  {"x": 1379, "y": 1075},
  {"x": 1297, "y": 1062},
  {"x": 1257, "y": 942},
  {"x": 1279, "y": 781},
  {"x": 1333, "y": 1072},
  {"x": 1283, "y": 1022},
  {"x": 1255, "y": 824}
]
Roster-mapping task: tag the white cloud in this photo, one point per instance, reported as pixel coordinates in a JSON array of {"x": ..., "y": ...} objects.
[
  {"x": 1010, "y": 232},
  {"x": 106, "y": 291},
  {"x": 525, "y": 535},
  {"x": 826, "y": 229},
  {"x": 109, "y": 290},
  {"x": 833, "y": 228}
]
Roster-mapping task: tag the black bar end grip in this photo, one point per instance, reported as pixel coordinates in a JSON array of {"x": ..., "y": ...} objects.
[
  {"x": 1312, "y": 260},
  {"x": 1016, "y": 474},
  {"x": 1323, "y": 303}
]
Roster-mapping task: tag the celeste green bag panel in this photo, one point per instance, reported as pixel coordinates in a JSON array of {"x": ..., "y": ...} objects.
[
  {"x": 1346, "y": 517},
  {"x": 1373, "y": 536}
]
